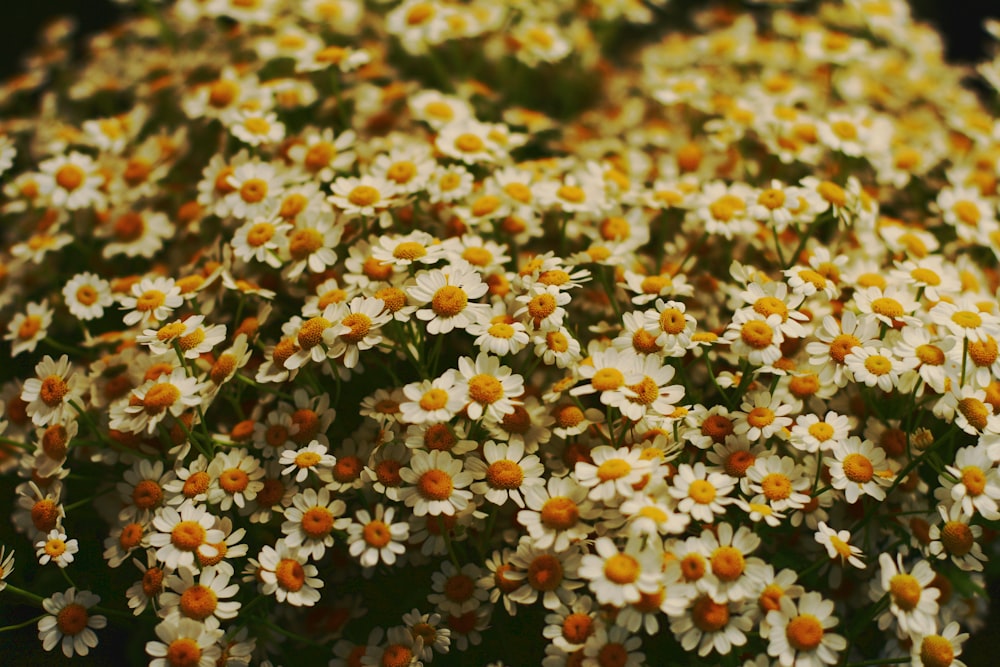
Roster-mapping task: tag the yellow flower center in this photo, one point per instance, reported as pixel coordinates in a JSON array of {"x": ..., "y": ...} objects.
[
  {"x": 957, "y": 538},
  {"x": 905, "y": 591},
  {"x": 377, "y": 534},
  {"x": 504, "y": 474},
  {"x": 560, "y": 513},
  {"x": 198, "y": 602},
  {"x": 364, "y": 195},
  {"x": 53, "y": 390},
  {"x": 607, "y": 379},
  {"x": 435, "y": 485},
  {"x": 936, "y": 651},
  {"x": 613, "y": 469},
  {"x": 290, "y": 575},
  {"x": 757, "y": 334},
  {"x": 702, "y": 491},
  {"x": 621, "y": 569},
  {"x": 317, "y": 522},
  {"x": 708, "y": 615},
  {"x": 804, "y": 632},
  {"x": 449, "y": 301},
  {"x": 485, "y": 389},
  {"x": 776, "y": 486},
  {"x": 187, "y": 535}
]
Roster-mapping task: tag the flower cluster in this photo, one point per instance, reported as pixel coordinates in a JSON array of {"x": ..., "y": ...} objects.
[{"x": 377, "y": 332}]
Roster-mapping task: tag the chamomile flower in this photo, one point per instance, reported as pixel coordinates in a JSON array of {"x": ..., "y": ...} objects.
[
  {"x": 619, "y": 576},
  {"x": 613, "y": 473},
  {"x": 50, "y": 395},
  {"x": 912, "y": 599},
  {"x": 183, "y": 533},
  {"x": 701, "y": 493},
  {"x": 505, "y": 472},
  {"x": 449, "y": 292},
  {"x": 492, "y": 389},
  {"x": 955, "y": 538},
  {"x": 56, "y": 547},
  {"x": 68, "y": 622},
  {"x": 838, "y": 545},
  {"x": 313, "y": 457},
  {"x": 859, "y": 469},
  {"x": 87, "y": 295},
  {"x": 285, "y": 573},
  {"x": 933, "y": 649},
  {"x": 199, "y": 596},
  {"x": 185, "y": 641},
  {"x": 435, "y": 484},
  {"x": 151, "y": 300},
  {"x": 800, "y": 632},
  {"x": 374, "y": 538},
  {"x": 557, "y": 513},
  {"x": 25, "y": 330}
]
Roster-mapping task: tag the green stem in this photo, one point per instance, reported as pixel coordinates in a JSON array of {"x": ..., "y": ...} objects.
[
  {"x": 446, "y": 533},
  {"x": 18, "y": 626},
  {"x": 37, "y": 599}
]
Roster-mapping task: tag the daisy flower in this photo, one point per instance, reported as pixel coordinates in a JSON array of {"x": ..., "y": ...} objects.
[
  {"x": 619, "y": 577},
  {"x": 254, "y": 127},
  {"x": 811, "y": 433},
  {"x": 284, "y": 572},
  {"x": 468, "y": 141},
  {"x": 56, "y": 548},
  {"x": 235, "y": 479},
  {"x": 365, "y": 196},
  {"x": 964, "y": 319},
  {"x": 755, "y": 337},
  {"x": 838, "y": 545},
  {"x": 432, "y": 401},
  {"x": 859, "y": 468},
  {"x": 183, "y": 533},
  {"x": 799, "y": 632},
  {"x": 613, "y": 474},
  {"x": 939, "y": 649},
  {"x": 500, "y": 335},
  {"x": 72, "y": 181},
  {"x": 491, "y": 387},
  {"x": 781, "y": 481},
  {"x": 322, "y": 155},
  {"x": 912, "y": 600},
  {"x": 312, "y": 457},
  {"x": 26, "y": 329},
  {"x": 954, "y": 538},
  {"x": 505, "y": 472},
  {"x": 359, "y": 329},
  {"x": 710, "y": 625},
  {"x": 201, "y": 599},
  {"x": 435, "y": 484},
  {"x": 878, "y": 367},
  {"x": 87, "y": 295},
  {"x": 51, "y": 392},
  {"x": 448, "y": 292},
  {"x": 701, "y": 493},
  {"x": 557, "y": 513},
  {"x": 569, "y": 626},
  {"x": 151, "y": 299},
  {"x": 978, "y": 482},
  {"x": 613, "y": 643},
  {"x": 185, "y": 641},
  {"x": 374, "y": 538},
  {"x": 263, "y": 241},
  {"x": 69, "y": 623},
  {"x": 311, "y": 520},
  {"x": 762, "y": 416},
  {"x": 150, "y": 403}
]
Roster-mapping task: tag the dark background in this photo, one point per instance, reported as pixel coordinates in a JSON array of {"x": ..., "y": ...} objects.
[{"x": 959, "y": 21}]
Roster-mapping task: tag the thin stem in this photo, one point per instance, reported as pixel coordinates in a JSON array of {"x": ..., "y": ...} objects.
[{"x": 18, "y": 626}]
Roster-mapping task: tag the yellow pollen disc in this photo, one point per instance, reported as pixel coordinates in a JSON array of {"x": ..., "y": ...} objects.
[
  {"x": 983, "y": 353},
  {"x": 260, "y": 234},
  {"x": 183, "y": 652},
  {"x": 858, "y": 468},
  {"x": 31, "y": 325},
  {"x": 545, "y": 573},
  {"x": 55, "y": 548},
  {"x": 613, "y": 469},
  {"x": 434, "y": 399},
  {"x": 621, "y": 569},
  {"x": 804, "y": 632},
  {"x": 905, "y": 591},
  {"x": 253, "y": 190},
  {"x": 974, "y": 480},
  {"x": 577, "y": 627},
  {"x": 360, "y": 324},
  {"x": 727, "y": 563},
  {"x": 607, "y": 379},
  {"x": 169, "y": 331},
  {"x": 708, "y": 615},
  {"x": 150, "y": 300},
  {"x": 307, "y": 459},
  {"x": 409, "y": 250},
  {"x": 198, "y": 602},
  {"x": 672, "y": 321},
  {"x": 160, "y": 397},
  {"x": 967, "y": 212},
  {"x": 832, "y": 193},
  {"x": 519, "y": 192},
  {"x": 975, "y": 412},
  {"x": 772, "y": 199},
  {"x": 541, "y": 306},
  {"x": 147, "y": 494},
  {"x": 557, "y": 342},
  {"x": 449, "y": 301},
  {"x": 290, "y": 575},
  {"x": 311, "y": 332},
  {"x": 654, "y": 513},
  {"x": 957, "y": 538},
  {"x": 377, "y": 534},
  {"x": 364, "y": 195},
  {"x": 693, "y": 567},
  {"x": 760, "y": 417},
  {"x": 967, "y": 319},
  {"x": 53, "y": 390},
  {"x": 571, "y": 193},
  {"x": 841, "y": 346},
  {"x": 187, "y": 535},
  {"x": 72, "y": 619},
  {"x": 930, "y": 355},
  {"x": 888, "y": 307},
  {"x": 69, "y": 177},
  {"x": 821, "y": 431},
  {"x": 86, "y": 295},
  {"x": 469, "y": 143},
  {"x": 233, "y": 480},
  {"x": 393, "y": 297},
  {"x": 936, "y": 651},
  {"x": 702, "y": 491},
  {"x": 485, "y": 205},
  {"x": 769, "y": 305},
  {"x": 501, "y": 330},
  {"x": 504, "y": 474},
  {"x": 192, "y": 340},
  {"x": 317, "y": 522},
  {"x": 646, "y": 391},
  {"x": 560, "y": 513},
  {"x": 737, "y": 463},
  {"x": 877, "y": 364},
  {"x": 776, "y": 486},
  {"x": 926, "y": 276},
  {"x": 197, "y": 483},
  {"x": 435, "y": 485},
  {"x": 485, "y": 389},
  {"x": 757, "y": 334},
  {"x": 569, "y": 416}
]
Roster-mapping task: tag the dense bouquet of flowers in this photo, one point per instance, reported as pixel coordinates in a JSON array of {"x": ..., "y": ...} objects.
[{"x": 561, "y": 333}]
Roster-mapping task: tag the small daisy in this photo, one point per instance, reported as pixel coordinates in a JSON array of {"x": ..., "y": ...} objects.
[
  {"x": 311, "y": 520},
  {"x": 613, "y": 473},
  {"x": 435, "y": 484},
  {"x": 284, "y": 572},
  {"x": 710, "y": 625},
  {"x": 838, "y": 545},
  {"x": 449, "y": 293},
  {"x": 799, "y": 632},
  {"x": 811, "y": 434},
  {"x": 25, "y": 330},
  {"x": 50, "y": 394},
  {"x": 183, "y": 533},
  {"x": 954, "y": 538},
  {"x": 557, "y": 513},
  {"x": 150, "y": 300},
  {"x": 492, "y": 388},
  {"x": 878, "y": 367},
  {"x": 185, "y": 641},
  {"x": 433, "y": 401},
  {"x": 505, "y": 472},
  {"x": 701, "y": 493},
  {"x": 201, "y": 599},
  {"x": 56, "y": 548},
  {"x": 939, "y": 650},
  {"x": 619, "y": 577},
  {"x": 313, "y": 457},
  {"x": 365, "y": 196},
  {"x": 374, "y": 538},
  {"x": 912, "y": 600},
  {"x": 859, "y": 468},
  {"x": 235, "y": 479},
  {"x": 69, "y": 623},
  {"x": 87, "y": 295},
  {"x": 6, "y": 566}
]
